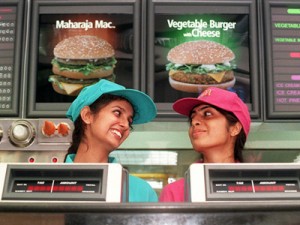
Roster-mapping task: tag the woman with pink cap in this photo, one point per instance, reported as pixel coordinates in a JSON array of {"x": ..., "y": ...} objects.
[{"x": 219, "y": 126}]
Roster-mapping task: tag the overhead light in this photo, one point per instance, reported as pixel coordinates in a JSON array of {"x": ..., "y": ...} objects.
[
  {"x": 297, "y": 159},
  {"x": 142, "y": 157}
]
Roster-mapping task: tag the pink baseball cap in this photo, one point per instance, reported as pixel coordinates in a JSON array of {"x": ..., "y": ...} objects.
[{"x": 220, "y": 98}]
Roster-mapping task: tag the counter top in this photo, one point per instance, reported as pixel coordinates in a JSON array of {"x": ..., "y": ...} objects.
[
  {"x": 208, "y": 213},
  {"x": 82, "y": 207}
]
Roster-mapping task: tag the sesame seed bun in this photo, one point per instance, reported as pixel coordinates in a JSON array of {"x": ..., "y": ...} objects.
[
  {"x": 83, "y": 47},
  {"x": 200, "y": 52}
]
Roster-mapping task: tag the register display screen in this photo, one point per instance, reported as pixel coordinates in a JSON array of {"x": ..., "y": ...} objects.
[
  {"x": 56, "y": 186},
  {"x": 254, "y": 182},
  {"x": 253, "y": 186},
  {"x": 63, "y": 182}
]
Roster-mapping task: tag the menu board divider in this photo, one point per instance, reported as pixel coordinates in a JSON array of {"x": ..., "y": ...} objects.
[{"x": 282, "y": 47}]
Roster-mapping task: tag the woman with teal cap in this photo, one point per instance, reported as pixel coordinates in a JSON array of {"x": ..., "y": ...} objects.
[{"x": 103, "y": 114}]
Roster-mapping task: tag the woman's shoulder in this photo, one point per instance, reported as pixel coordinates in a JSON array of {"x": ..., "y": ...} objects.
[
  {"x": 173, "y": 192},
  {"x": 176, "y": 185},
  {"x": 140, "y": 190},
  {"x": 137, "y": 181}
]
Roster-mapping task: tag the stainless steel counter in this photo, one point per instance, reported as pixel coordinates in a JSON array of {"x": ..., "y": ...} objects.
[{"x": 208, "y": 213}]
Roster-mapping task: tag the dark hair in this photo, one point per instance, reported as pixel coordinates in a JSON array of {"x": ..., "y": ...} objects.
[
  {"x": 79, "y": 125},
  {"x": 241, "y": 137}
]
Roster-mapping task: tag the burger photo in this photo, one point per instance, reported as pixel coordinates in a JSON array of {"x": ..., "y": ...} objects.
[
  {"x": 196, "y": 65},
  {"x": 80, "y": 61}
]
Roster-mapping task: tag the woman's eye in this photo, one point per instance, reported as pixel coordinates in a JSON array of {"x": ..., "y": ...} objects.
[
  {"x": 130, "y": 121},
  {"x": 117, "y": 112},
  {"x": 207, "y": 113},
  {"x": 130, "y": 125}
]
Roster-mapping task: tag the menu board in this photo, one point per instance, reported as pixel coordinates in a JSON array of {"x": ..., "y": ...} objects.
[
  {"x": 75, "y": 44},
  {"x": 283, "y": 60},
  {"x": 9, "y": 55},
  {"x": 58, "y": 35},
  {"x": 199, "y": 45}
]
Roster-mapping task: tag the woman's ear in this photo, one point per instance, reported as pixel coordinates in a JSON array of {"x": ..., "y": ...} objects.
[
  {"x": 236, "y": 129},
  {"x": 86, "y": 114}
]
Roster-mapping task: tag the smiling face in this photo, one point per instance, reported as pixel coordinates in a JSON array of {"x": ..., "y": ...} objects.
[
  {"x": 210, "y": 132},
  {"x": 113, "y": 123},
  {"x": 107, "y": 129}
]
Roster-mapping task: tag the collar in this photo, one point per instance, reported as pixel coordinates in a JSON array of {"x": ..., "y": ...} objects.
[{"x": 70, "y": 159}]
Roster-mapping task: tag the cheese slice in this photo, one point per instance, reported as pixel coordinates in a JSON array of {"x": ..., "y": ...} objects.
[
  {"x": 71, "y": 88},
  {"x": 217, "y": 76}
]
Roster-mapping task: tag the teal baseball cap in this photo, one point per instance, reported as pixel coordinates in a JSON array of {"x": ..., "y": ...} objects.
[{"x": 143, "y": 106}]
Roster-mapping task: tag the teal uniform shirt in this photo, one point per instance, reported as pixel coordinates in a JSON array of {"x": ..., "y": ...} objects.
[{"x": 139, "y": 189}]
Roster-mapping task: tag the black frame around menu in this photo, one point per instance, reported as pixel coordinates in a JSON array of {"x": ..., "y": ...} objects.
[
  {"x": 282, "y": 55},
  {"x": 124, "y": 18},
  {"x": 156, "y": 71}
]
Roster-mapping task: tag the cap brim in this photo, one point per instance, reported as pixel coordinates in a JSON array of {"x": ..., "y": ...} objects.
[
  {"x": 185, "y": 105},
  {"x": 144, "y": 107}
]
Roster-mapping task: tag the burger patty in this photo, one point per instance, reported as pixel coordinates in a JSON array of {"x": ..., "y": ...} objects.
[
  {"x": 96, "y": 62},
  {"x": 57, "y": 79},
  {"x": 203, "y": 79}
]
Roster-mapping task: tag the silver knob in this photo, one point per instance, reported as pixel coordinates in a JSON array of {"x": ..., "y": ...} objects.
[{"x": 21, "y": 133}]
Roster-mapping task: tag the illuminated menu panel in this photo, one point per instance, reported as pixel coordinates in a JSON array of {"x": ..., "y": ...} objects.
[
  {"x": 59, "y": 23},
  {"x": 202, "y": 27},
  {"x": 286, "y": 58},
  {"x": 7, "y": 45}
]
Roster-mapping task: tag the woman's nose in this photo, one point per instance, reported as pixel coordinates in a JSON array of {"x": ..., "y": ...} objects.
[
  {"x": 124, "y": 123},
  {"x": 196, "y": 122}
]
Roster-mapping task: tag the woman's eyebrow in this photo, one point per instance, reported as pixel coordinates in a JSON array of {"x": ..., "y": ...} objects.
[
  {"x": 202, "y": 108},
  {"x": 123, "y": 110},
  {"x": 205, "y": 107}
]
